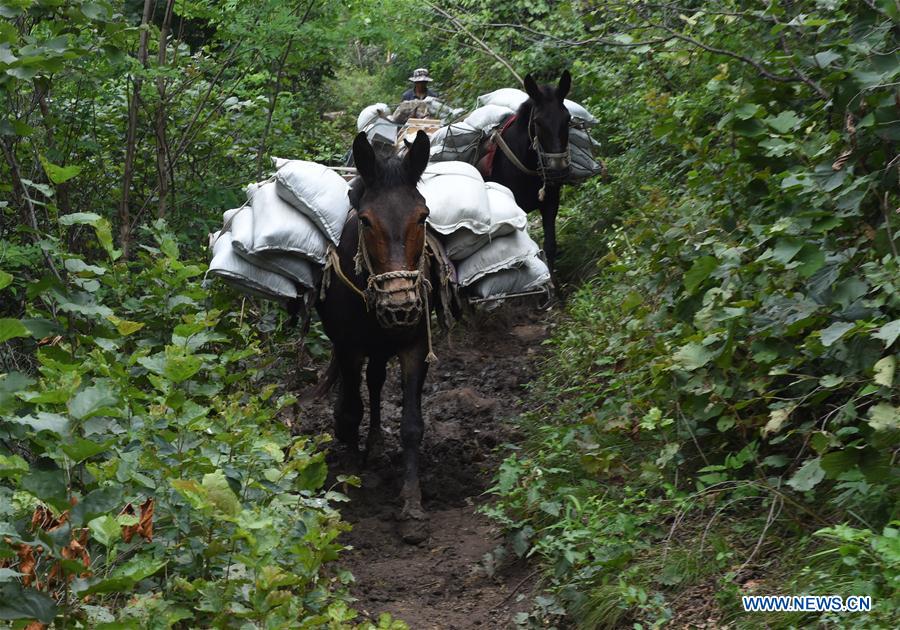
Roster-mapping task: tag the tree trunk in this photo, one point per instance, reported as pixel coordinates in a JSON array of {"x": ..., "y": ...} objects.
[
  {"x": 131, "y": 136},
  {"x": 162, "y": 148}
]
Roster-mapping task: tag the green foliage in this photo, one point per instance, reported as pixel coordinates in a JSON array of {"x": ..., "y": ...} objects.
[
  {"x": 732, "y": 352},
  {"x": 150, "y": 395}
]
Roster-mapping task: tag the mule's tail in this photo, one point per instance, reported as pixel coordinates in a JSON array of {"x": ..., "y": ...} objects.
[{"x": 326, "y": 382}]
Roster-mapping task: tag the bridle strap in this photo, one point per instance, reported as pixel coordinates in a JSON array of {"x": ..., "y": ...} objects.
[
  {"x": 497, "y": 138},
  {"x": 422, "y": 283}
]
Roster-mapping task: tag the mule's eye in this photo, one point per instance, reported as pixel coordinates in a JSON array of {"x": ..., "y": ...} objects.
[
  {"x": 422, "y": 219},
  {"x": 365, "y": 221}
]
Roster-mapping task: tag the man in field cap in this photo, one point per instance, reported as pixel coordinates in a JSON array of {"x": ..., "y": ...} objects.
[{"x": 420, "y": 80}]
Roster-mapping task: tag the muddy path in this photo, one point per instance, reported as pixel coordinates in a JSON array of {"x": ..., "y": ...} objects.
[{"x": 470, "y": 402}]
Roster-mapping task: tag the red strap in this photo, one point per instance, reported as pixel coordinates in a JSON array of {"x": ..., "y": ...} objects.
[{"x": 486, "y": 164}]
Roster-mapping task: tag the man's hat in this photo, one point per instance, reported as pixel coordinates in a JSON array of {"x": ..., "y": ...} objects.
[{"x": 420, "y": 74}]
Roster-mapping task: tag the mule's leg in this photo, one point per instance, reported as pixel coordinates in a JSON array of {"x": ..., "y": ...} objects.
[
  {"x": 413, "y": 370},
  {"x": 376, "y": 373},
  {"x": 348, "y": 410},
  {"x": 549, "y": 209}
]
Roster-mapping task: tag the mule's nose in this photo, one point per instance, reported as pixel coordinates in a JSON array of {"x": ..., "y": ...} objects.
[{"x": 559, "y": 163}]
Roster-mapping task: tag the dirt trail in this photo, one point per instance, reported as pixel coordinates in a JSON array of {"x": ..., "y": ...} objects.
[{"x": 471, "y": 399}]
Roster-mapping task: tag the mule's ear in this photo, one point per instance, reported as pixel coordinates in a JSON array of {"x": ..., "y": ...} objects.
[
  {"x": 531, "y": 87},
  {"x": 364, "y": 158},
  {"x": 417, "y": 157},
  {"x": 565, "y": 83}
]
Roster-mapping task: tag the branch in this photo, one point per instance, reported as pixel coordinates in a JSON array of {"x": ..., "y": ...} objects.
[
  {"x": 487, "y": 49},
  {"x": 728, "y": 53}
]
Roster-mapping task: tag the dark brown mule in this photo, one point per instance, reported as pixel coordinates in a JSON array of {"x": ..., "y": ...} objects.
[
  {"x": 377, "y": 306},
  {"x": 538, "y": 139}
]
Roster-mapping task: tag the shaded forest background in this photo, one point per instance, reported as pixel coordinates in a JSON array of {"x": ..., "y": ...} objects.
[{"x": 722, "y": 405}]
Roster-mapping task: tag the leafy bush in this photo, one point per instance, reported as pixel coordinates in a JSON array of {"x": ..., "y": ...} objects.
[
  {"x": 145, "y": 477},
  {"x": 727, "y": 373}
]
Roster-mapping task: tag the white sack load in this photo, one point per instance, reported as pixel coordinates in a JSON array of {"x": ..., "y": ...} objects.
[
  {"x": 533, "y": 275},
  {"x": 317, "y": 192},
  {"x": 506, "y": 218},
  {"x": 370, "y": 114},
  {"x": 456, "y": 142},
  {"x": 456, "y": 198},
  {"x": 487, "y": 117},
  {"x": 244, "y": 276},
  {"x": 383, "y": 131},
  {"x": 512, "y": 98},
  {"x": 581, "y": 154},
  {"x": 504, "y": 252},
  {"x": 279, "y": 228}
]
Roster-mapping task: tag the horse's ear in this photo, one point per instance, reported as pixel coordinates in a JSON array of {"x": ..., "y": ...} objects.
[
  {"x": 565, "y": 83},
  {"x": 364, "y": 158},
  {"x": 531, "y": 87},
  {"x": 417, "y": 157}
]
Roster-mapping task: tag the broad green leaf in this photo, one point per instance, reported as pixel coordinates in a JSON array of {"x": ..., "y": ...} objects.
[
  {"x": 884, "y": 371},
  {"x": 11, "y": 328},
  {"x": 888, "y": 333},
  {"x": 44, "y": 421},
  {"x": 825, "y": 58},
  {"x": 80, "y": 218},
  {"x": 693, "y": 356},
  {"x": 313, "y": 475},
  {"x": 80, "y": 449},
  {"x": 808, "y": 476},
  {"x": 59, "y": 174},
  {"x": 124, "y": 326},
  {"x": 5, "y": 279},
  {"x": 884, "y": 416},
  {"x": 18, "y": 602},
  {"x": 699, "y": 271},
  {"x": 784, "y": 122},
  {"x": 220, "y": 494},
  {"x": 838, "y": 462},
  {"x": 105, "y": 530},
  {"x": 47, "y": 484},
  {"x": 746, "y": 110},
  {"x": 92, "y": 401},
  {"x": 834, "y": 332},
  {"x": 12, "y": 466}
]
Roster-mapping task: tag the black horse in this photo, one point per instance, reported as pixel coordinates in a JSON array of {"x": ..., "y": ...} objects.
[
  {"x": 533, "y": 156},
  {"x": 377, "y": 306}
]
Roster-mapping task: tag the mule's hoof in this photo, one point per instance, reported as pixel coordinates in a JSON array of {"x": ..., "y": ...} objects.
[{"x": 414, "y": 531}]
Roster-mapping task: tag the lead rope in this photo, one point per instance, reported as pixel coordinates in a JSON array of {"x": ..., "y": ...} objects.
[{"x": 423, "y": 285}]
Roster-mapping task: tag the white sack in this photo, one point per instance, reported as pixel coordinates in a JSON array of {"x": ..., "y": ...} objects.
[
  {"x": 581, "y": 153},
  {"x": 370, "y": 114},
  {"x": 456, "y": 197},
  {"x": 463, "y": 243},
  {"x": 530, "y": 276},
  {"x": 506, "y": 218},
  {"x": 289, "y": 265},
  {"x": 580, "y": 116},
  {"x": 244, "y": 276},
  {"x": 506, "y": 215},
  {"x": 278, "y": 227},
  {"x": 501, "y": 253},
  {"x": 382, "y": 130},
  {"x": 318, "y": 192},
  {"x": 512, "y": 98},
  {"x": 487, "y": 117},
  {"x": 456, "y": 136}
]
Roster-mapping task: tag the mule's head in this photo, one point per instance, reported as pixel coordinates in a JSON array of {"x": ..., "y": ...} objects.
[
  {"x": 392, "y": 214},
  {"x": 550, "y": 124}
]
